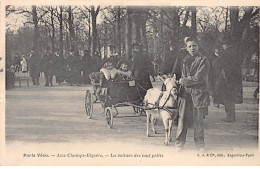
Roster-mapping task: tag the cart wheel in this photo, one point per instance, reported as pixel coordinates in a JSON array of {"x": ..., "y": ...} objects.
[
  {"x": 109, "y": 116},
  {"x": 89, "y": 104}
]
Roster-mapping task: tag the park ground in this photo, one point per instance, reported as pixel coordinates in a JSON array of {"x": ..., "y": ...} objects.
[{"x": 44, "y": 119}]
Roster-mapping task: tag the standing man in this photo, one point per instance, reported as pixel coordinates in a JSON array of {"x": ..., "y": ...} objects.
[
  {"x": 214, "y": 73},
  {"x": 140, "y": 70},
  {"x": 229, "y": 81},
  {"x": 58, "y": 68},
  {"x": 48, "y": 67},
  {"x": 86, "y": 66},
  {"x": 34, "y": 67},
  {"x": 194, "y": 96},
  {"x": 17, "y": 61},
  {"x": 74, "y": 68}
]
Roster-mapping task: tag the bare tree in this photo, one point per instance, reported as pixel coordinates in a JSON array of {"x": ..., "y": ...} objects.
[
  {"x": 119, "y": 30},
  {"x": 36, "y": 29},
  {"x": 71, "y": 28},
  {"x": 94, "y": 12},
  {"x": 60, "y": 17},
  {"x": 128, "y": 40},
  {"x": 193, "y": 21}
]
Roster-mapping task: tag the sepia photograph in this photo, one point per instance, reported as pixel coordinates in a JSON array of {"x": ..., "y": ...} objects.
[{"x": 129, "y": 84}]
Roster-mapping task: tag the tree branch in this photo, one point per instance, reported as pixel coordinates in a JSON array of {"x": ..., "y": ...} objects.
[
  {"x": 187, "y": 14},
  {"x": 255, "y": 13}
]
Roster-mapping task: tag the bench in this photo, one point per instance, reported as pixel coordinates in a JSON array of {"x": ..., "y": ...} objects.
[
  {"x": 22, "y": 76},
  {"x": 249, "y": 75}
]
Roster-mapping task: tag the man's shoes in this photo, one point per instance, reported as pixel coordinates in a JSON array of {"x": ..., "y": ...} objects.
[
  {"x": 46, "y": 84},
  {"x": 228, "y": 120}
]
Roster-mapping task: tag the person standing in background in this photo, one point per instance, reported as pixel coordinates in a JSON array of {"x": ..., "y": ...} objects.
[
  {"x": 34, "y": 63},
  {"x": 214, "y": 72},
  {"x": 24, "y": 65},
  {"x": 140, "y": 70},
  {"x": 86, "y": 61},
  {"x": 48, "y": 67},
  {"x": 58, "y": 66}
]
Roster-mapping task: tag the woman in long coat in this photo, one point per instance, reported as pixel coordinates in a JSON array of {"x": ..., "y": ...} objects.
[{"x": 140, "y": 70}]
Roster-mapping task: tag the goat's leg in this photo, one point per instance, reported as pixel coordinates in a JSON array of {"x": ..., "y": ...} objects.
[
  {"x": 170, "y": 130},
  {"x": 153, "y": 120},
  {"x": 148, "y": 114},
  {"x": 166, "y": 127}
]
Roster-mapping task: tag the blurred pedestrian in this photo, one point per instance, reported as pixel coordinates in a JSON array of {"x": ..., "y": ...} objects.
[
  {"x": 214, "y": 72},
  {"x": 140, "y": 70},
  {"x": 59, "y": 68},
  {"x": 48, "y": 67},
  {"x": 86, "y": 66},
  {"x": 17, "y": 61},
  {"x": 74, "y": 68},
  {"x": 24, "y": 65},
  {"x": 34, "y": 63},
  {"x": 228, "y": 90}
]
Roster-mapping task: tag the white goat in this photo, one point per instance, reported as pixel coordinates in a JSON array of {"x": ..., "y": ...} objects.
[{"x": 168, "y": 100}]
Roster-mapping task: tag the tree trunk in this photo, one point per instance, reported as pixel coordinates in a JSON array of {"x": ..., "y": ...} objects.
[
  {"x": 187, "y": 14},
  {"x": 234, "y": 24},
  {"x": 137, "y": 25},
  {"x": 61, "y": 33},
  {"x": 175, "y": 28},
  {"x": 162, "y": 36},
  {"x": 36, "y": 29},
  {"x": 119, "y": 30},
  {"x": 94, "y": 14},
  {"x": 71, "y": 29},
  {"x": 105, "y": 41},
  {"x": 89, "y": 32},
  {"x": 128, "y": 40},
  {"x": 239, "y": 31},
  {"x": 193, "y": 22},
  {"x": 143, "y": 36},
  {"x": 53, "y": 32},
  {"x": 226, "y": 20}
]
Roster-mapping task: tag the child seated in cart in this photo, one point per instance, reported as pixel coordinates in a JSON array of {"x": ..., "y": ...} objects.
[
  {"x": 95, "y": 78},
  {"x": 124, "y": 72},
  {"x": 110, "y": 73},
  {"x": 100, "y": 79}
]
